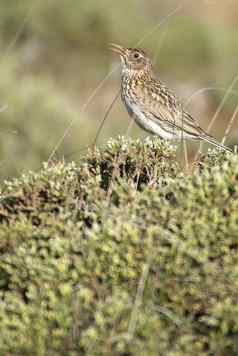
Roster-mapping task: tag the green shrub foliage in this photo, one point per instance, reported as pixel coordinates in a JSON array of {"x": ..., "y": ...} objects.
[{"x": 123, "y": 254}]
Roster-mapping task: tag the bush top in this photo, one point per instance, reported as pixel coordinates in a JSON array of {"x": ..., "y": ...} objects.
[{"x": 123, "y": 254}]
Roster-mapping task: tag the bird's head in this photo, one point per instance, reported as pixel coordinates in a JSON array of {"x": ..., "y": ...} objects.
[{"x": 133, "y": 59}]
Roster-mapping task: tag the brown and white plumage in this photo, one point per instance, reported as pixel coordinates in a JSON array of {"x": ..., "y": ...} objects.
[{"x": 155, "y": 107}]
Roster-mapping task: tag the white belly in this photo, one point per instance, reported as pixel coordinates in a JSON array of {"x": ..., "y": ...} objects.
[{"x": 147, "y": 124}]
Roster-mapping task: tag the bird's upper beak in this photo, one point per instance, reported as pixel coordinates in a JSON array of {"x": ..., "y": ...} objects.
[{"x": 118, "y": 49}]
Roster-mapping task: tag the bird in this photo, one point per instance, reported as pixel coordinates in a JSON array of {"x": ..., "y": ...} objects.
[{"x": 153, "y": 106}]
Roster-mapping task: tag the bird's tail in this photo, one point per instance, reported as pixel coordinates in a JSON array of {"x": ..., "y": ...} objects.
[{"x": 213, "y": 142}]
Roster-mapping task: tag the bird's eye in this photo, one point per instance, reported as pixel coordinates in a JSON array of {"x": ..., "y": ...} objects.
[{"x": 136, "y": 55}]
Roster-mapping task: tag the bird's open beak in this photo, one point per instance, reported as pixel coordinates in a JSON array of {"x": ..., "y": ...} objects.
[{"x": 118, "y": 49}]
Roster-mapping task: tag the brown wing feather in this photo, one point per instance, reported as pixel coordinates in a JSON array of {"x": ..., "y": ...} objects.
[{"x": 164, "y": 106}]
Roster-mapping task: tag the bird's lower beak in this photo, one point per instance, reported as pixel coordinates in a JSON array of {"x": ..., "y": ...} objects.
[{"x": 118, "y": 49}]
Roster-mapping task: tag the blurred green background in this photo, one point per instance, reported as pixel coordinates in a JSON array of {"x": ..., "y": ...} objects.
[{"x": 55, "y": 53}]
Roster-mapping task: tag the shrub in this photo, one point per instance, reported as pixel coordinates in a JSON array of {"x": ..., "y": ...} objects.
[{"x": 121, "y": 254}]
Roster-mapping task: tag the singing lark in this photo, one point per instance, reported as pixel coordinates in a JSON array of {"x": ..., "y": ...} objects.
[{"x": 153, "y": 106}]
